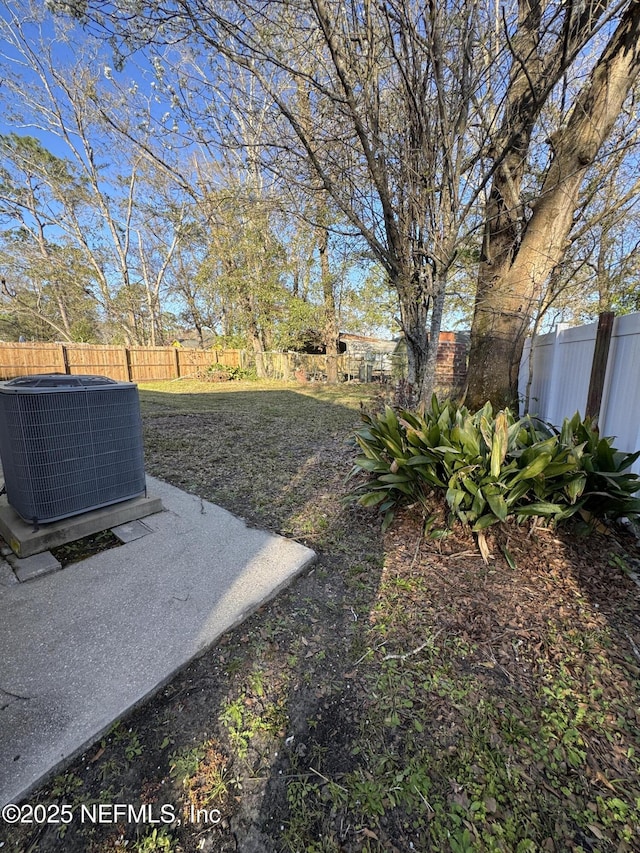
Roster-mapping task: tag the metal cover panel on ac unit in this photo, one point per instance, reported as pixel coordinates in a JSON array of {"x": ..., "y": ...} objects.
[{"x": 69, "y": 444}]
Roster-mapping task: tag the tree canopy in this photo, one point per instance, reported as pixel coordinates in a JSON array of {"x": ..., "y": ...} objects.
[{"x": 461, "y": 148}]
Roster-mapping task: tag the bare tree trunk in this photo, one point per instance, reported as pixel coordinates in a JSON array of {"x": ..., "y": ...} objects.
[
  {"x": 62, "y": 308},
  {"x": 330, "y": 331},
  {"x": 414, "y": 316},
  {"x": 505, "y": 304},
  {"x": 152, "y": 318},
  {"x": 200, "y": 335},
  {"x": 428, "y": 384},
  {"x": 255, "y": 336}
]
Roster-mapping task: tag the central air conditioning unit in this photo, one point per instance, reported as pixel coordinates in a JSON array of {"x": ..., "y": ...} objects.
[{"x": 69, "y": 444}]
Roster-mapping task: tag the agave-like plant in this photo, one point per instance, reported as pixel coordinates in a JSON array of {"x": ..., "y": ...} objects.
[
  {"x": 491, "y": 466},
  {"x": 610, "y": 485}
]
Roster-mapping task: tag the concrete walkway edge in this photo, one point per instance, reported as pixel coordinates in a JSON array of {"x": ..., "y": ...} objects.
[{"x": 82, "y": 647}]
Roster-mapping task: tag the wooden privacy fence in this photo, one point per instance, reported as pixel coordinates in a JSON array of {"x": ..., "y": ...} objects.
[
  {"x": 144, "y": 364},
  {"x": 592, "y": 369},
  {"x": 126, "y": 364}
]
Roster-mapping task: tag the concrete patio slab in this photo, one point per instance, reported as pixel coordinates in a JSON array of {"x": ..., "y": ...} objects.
[
  {"x": 7, "y": 575},
  {"x": 29, "y": 568},
  {"x": 131, "y": 531},
  {"x": 82, "y": 646}
]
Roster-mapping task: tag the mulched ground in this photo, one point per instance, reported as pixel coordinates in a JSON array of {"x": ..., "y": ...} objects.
[{"x": 556, "y": 636}]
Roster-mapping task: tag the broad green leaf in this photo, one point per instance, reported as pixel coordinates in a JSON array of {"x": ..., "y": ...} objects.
[
  {"x": 429, "y": 475},
  {"x": 487, "y": 411},
  {"x": 508, "y": 557},
  {"x": 410, "y": 420},
  {"x": 421, "y": 460},
  {"x": 569, "y": 511},
  {"x": 498, "y": 505},
  {"x": 455, "y": 497},
  {"x": 433, "y": 436},
  {"x": 542, "y": 508},
  {"x": 533, "y": 468},
  {"x": 368, "y": 464},
  {"x": 484, "y": 521},
  {"x": 575, "y": 488},
  {"x": 479, "y": 503},
  {"x": 622, "y": 461},
  {"x": 469, "y": 439},
  {"x": 566, "y": 432},
  {"x": 531, "y": 453},
  {"x": 444, "y": 421},
  {"x": 605, "y": 455},
  {"x": 486, "y": 431},
  {"x": 372, "y": 498},
  {"x": 469, "y": 485},
  {"x": 435, "y": 408},
  {"x": 414, "y": 438},
  {"x": 393, "y": 447},
  {"x": 499, "y": 443},
  {"x": 556, "y": 469},
  {"x": 388, "y": 518}
]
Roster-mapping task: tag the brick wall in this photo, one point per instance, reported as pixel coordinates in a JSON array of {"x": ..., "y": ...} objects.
[{"x": 451, "y": 368}]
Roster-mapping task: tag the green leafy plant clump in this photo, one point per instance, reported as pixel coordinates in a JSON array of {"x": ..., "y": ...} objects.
[
  {"x": 492, "y": 466},
  {"x": 225, "y": 373}
]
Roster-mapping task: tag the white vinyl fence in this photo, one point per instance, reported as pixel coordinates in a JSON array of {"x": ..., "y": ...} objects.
[{"x": 559, "y": 384}]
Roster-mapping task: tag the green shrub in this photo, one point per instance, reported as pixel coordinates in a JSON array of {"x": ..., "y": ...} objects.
[
  {"x": 491, "y": 467},
  {"x": 224, "y": 373},
  {"x": 610, "y": 486}
]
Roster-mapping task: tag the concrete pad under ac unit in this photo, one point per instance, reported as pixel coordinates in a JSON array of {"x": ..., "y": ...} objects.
[{"x": 25, "y": 540}]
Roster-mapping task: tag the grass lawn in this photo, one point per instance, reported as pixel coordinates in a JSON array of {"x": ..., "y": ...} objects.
[{"x": 402, "y": 695}]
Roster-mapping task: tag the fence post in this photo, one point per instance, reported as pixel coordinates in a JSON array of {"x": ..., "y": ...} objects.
[
  {"x": 127, "y": 363},
  {"x": 65, "y": 358},
  {"x": 599, "y": 364}
]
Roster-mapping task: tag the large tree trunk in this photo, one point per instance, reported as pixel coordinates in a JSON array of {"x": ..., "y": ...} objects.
[{"x": 504, "y": 303}]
